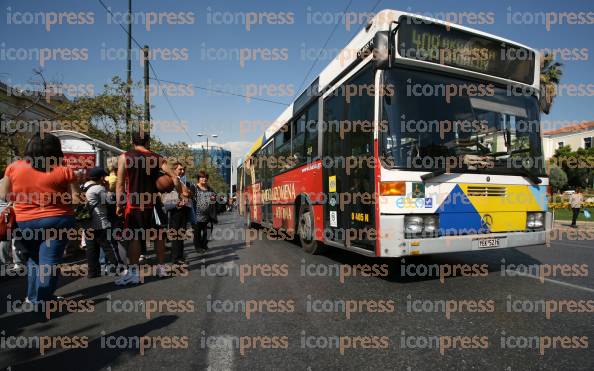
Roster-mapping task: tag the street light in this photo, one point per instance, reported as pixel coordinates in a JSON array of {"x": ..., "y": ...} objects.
[{"x": 206, "y": 135}]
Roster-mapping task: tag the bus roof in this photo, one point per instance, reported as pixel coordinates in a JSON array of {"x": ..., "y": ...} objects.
[{"x": 381, "y": 22}]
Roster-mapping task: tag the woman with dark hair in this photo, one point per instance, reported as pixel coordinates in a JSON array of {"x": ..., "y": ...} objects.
[
  {"x": 42, "y": 192},
  {"x": 204, "y": 199}
]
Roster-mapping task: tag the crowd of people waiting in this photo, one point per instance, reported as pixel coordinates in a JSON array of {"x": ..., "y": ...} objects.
[{"x": 126, "y": 209}]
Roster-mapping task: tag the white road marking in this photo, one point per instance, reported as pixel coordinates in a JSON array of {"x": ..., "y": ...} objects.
[
  {"x": 553, "y": 281},
  {"x": 573, "y": 244},
  {"x": 220, "y": 355}
]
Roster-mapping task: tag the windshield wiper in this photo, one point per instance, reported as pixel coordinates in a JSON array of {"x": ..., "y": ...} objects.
[
  {"x": 525, "y": 172},
  {"x": 432, "y": 174}
]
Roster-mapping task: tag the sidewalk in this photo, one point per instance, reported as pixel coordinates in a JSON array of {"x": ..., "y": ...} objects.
[{"x": 564, "y": 224}]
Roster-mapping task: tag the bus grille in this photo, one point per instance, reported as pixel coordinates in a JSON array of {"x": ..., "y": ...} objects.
[{"x": 487, "y": 191}]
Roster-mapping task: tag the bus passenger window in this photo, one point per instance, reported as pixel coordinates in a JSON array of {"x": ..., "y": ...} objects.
[
  {"x": 299, "y": 139},
  {"x": 311, "y": 140}
]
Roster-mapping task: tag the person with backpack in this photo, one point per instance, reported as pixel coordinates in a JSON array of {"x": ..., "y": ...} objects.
[
  {"x": 137, "y": 202},
  {"x": 97, "y": 236}
]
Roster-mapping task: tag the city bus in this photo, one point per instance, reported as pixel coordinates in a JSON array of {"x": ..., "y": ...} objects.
[{"x": 420, "y": 137}]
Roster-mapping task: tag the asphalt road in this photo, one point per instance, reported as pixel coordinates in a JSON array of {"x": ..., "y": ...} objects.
[{"x": 268, "y": 305}]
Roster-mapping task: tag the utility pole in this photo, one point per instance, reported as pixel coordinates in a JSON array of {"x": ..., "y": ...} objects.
[
  {"x": 147, "y": 103},
  {"x": 129, "y": 73}
]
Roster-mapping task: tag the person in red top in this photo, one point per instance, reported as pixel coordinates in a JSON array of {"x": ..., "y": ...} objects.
[
  {"x": 43, "y": 192},
  {"x": 136, "y": 194}
]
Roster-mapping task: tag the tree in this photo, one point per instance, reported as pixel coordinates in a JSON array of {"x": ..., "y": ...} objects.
[
  {"x": 12, "y": 143},
  {"x": 578, "y": 165},
  {"x": 550, "y": 77},
  {"x": 558, "y": 178},
  {"x": 181, "y": 152},
  {"x": 104, "y": 115}
]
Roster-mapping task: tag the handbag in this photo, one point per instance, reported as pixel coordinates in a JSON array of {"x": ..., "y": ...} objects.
[
  {"x": 7, "y": 223},
  {"x": 170, "y": 200},
  {"x": 212, "y": 209},
  {"x": 587, "y": 214}
]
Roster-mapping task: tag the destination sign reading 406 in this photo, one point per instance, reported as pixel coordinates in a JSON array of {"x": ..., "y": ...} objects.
[{"x": 441, "y": 44}]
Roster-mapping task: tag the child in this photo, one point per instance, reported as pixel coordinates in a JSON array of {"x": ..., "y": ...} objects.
[{"x": 97, "y": 235}]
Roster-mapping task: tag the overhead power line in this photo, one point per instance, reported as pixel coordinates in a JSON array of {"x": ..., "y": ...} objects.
[
  {"x": 119, "y": 24},
  {"x": 320, "y": 51},
  {"x": 377, "y": 3},
  {"x": 224, "y": 92},
  {"x": 150, "y": 66}
]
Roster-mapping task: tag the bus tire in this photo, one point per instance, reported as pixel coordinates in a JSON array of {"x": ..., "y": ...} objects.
[{"x": 305, "y": 230}]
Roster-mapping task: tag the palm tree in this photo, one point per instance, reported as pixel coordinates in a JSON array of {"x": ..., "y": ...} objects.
[{"x": 550, "y": 76}]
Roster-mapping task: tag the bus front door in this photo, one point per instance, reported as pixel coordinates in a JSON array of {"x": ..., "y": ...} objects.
[{"x": 349, "y": 172}]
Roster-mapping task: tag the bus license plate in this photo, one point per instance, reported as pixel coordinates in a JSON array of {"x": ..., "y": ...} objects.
[{"x": 488, "y": 242}]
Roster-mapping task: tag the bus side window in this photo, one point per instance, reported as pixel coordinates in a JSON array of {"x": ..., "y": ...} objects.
[
  {"x": 299, "y": 139},
  {"x": 311, "y": 138},
  {"x": 282, "y": 149},
  {"x": 268, "y": 166}
]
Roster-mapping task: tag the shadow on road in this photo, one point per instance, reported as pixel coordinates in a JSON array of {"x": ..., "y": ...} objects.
[
  {"x": 94, "y": 357},
  {"x": 491, "y": 261}
]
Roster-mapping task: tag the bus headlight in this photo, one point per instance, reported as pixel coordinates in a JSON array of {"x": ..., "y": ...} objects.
[
  {"x": 421, "y": 226},
  {"x": 430, "y": 224},
  {"x": 413, "y": 224},
  {"x": 535, "y": 220}
]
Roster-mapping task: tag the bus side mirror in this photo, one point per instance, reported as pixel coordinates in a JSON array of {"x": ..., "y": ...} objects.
[
  {"x": 384, "y": 43},
  {"x": 381, "y": 50}
]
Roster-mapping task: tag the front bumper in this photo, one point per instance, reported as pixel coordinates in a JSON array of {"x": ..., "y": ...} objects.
[{"x": 392, "y": 243}]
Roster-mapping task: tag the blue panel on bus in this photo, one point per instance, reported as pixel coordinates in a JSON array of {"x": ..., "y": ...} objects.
[
  {"x": 540, "y": 195},
  {"x": 452, "y": 224},
  {"x": 456, "y": 202},
  {"x": 457, "y": 215}
]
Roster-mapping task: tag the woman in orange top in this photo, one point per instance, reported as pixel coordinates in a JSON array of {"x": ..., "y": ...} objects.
[{"x": 42, "y": 192}]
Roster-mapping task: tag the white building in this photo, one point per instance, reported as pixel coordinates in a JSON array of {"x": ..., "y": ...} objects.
[{"x": 576, "y": 136}]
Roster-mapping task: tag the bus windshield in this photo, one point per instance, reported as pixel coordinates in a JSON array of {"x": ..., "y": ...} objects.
[{"x": 434, "y": 122}]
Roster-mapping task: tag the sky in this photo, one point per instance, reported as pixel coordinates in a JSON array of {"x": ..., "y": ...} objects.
[{"x": 209, "y": 44}]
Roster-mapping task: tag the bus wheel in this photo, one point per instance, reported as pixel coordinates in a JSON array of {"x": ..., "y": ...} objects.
[{"x": 305, "y": 229}]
